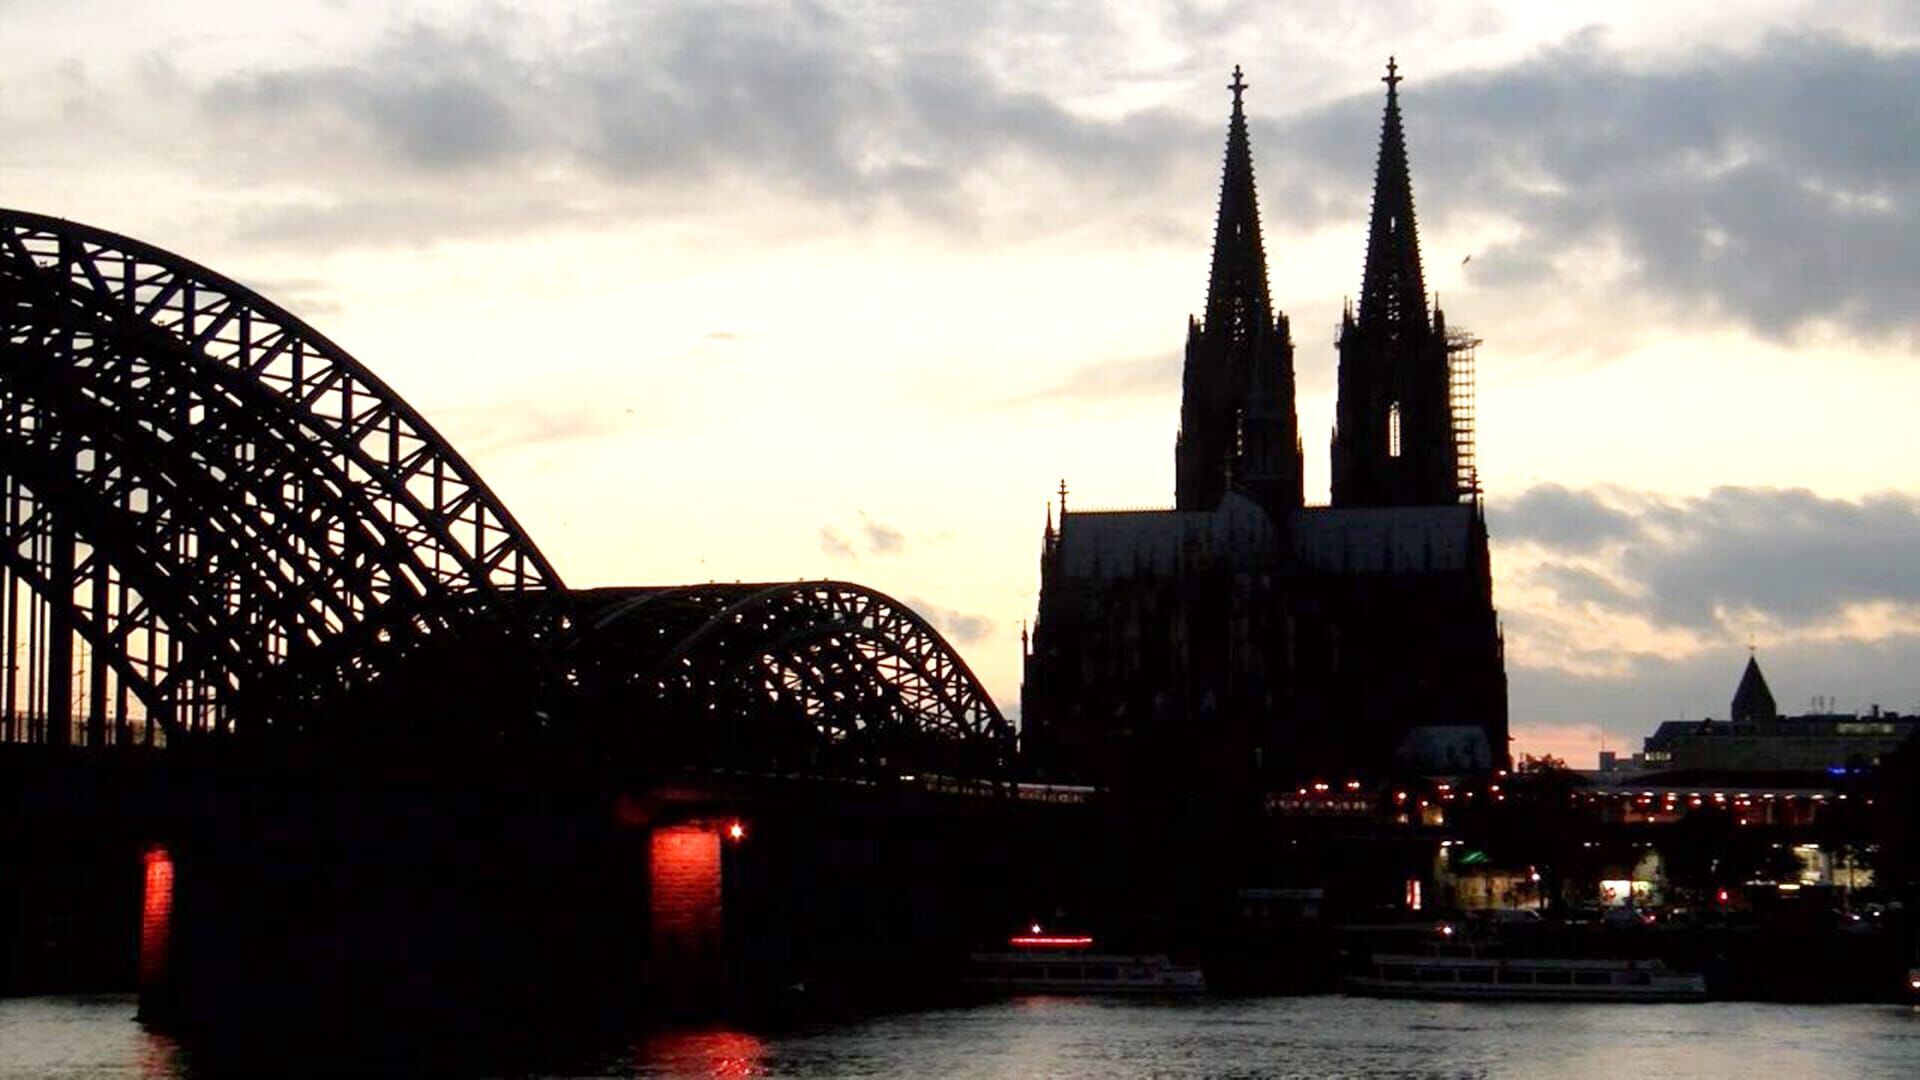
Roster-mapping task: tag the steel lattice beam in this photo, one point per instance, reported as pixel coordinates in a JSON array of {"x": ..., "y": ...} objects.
[
  {"x": 217, "y": 502},
  {"x": 796, "y": 675}
]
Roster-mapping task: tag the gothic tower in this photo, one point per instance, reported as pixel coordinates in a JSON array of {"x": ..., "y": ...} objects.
[
  {"x": 1393, "y": 439},
  {"x": 1238, "y": 427}
]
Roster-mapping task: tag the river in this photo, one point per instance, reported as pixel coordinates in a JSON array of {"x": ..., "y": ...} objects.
[{"x": 96, "y": 1038}]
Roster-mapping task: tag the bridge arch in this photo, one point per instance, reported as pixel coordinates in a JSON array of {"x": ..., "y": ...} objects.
[
  {"x": 214, "y": 520},
  {"x": 210, "y": 514},
  {"x": 802, "y": 676}
]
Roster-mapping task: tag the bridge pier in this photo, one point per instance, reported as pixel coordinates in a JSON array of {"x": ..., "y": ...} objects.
[
  {"x": 156, "y": 917},
  {"x": 248, "y": 898},
  {"x": 291, "y": 902},
  {"x": 686, "y": 939}
]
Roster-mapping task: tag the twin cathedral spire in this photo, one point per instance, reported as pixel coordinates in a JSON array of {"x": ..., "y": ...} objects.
[
  {"x": 1394, "y": 438},
  {"x": 1238, "y": 429}
]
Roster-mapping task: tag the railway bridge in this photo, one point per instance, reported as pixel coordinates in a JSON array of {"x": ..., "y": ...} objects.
[{"x": 291, "y": 691}]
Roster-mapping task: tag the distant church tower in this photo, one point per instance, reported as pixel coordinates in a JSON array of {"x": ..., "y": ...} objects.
[
  {"x": 1393, "y": 438},
  {"x": 1753, "y": 701},
  {"x": 1238, "y": 427}
]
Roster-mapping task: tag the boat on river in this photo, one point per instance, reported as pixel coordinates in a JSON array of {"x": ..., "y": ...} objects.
[
  {"x": 1066, "y": 964},
  {"x": 1466, "y": 972}
]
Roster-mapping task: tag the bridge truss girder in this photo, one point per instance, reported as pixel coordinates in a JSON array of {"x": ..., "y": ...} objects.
[
  {"x": 210, "y": 513},
  {"x": 796, "y": 677}
]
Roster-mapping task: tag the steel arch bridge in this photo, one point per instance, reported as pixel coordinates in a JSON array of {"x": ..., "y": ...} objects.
[
  {"x": 805, "y": 676},
  {"x": 233, "y": 516},
  {"x": 214, "y": 520}
]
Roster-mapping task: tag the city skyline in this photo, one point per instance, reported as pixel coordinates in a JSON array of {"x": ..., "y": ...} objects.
[{"x": 734, "y": 294}]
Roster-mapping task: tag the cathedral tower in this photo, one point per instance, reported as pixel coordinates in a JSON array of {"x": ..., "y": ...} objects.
[
  {"x": 1243, "y": 642},
  {"x": 1238, "y": 427},
  {"x": 1393, "y": 438}
]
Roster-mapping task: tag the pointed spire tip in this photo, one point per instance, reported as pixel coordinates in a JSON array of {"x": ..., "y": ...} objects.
[
  {"x": 1237, "y": 286},
  {"x": 1392, "y": 288}
]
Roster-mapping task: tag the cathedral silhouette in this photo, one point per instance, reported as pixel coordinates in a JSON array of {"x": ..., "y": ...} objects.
[{"x": 1243, "y": 637}]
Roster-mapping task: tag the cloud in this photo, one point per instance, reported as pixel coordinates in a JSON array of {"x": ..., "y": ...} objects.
[
  {"x": 426, "y": 98},
  {"x": 1777, "y": 186},
  {"x": 957, "y": 626},
  {"x": 309, "y": 298},
  {"x": 1561, "y": 518},
  {"x": 701, "y": 100},
  {"x": 1716, "y": 562},
  {"x": 1577, "y": 585},
  {"x": 1653, "y": 688},
  {"x": 1791, "y": 555},
  {"x": 1769, "y": 184},
  {"x": 409, "y": 218},
  {"x": 877, "y": 537},
  {"x": 835, "y": 544},
  {"x": 1772, "y": 185},
  {"x": 1627, "y": 608},
  {"x": 523, "y": 423},
  {"x": 1109, "y": 380},
  {"x": 882, "y": 539}
]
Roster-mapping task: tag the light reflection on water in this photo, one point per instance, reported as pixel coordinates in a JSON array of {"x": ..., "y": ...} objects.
[
  {"x": 720, "y": 1054},
  {"x": 82, "y": 1038},
  {"x": 1315, "y": 1037},
  {"x": 88, "y": 1039}
]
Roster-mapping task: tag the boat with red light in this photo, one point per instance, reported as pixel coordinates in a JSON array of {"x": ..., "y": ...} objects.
[{"x": 1066, "y": 963}]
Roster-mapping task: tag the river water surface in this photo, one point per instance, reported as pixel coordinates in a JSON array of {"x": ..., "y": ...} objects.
[{"x": 92, "y": 1038}]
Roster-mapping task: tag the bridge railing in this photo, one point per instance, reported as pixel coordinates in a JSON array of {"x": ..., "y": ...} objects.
[{"x": 37, "y": 728}]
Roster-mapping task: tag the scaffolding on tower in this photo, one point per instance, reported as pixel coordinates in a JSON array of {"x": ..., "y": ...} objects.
[{"x": 1460, "y": 395}]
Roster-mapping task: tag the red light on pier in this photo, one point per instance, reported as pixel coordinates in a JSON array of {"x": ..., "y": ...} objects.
[
  {"x": 156, "y": 917},
  {"x": 686, "y": 915},
  {"x": 736, "y": 832}
]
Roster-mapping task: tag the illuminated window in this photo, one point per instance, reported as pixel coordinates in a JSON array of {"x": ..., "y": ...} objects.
[{"x": 1393, "y": 430}]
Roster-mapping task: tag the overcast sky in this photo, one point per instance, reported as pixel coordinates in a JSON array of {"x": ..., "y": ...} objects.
[{"x": 743, "y": 291}]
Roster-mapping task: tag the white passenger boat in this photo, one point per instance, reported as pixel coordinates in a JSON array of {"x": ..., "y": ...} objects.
[
  {"x": 1468, "y": 976},
  {"x": 1066, "y": 964}
]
